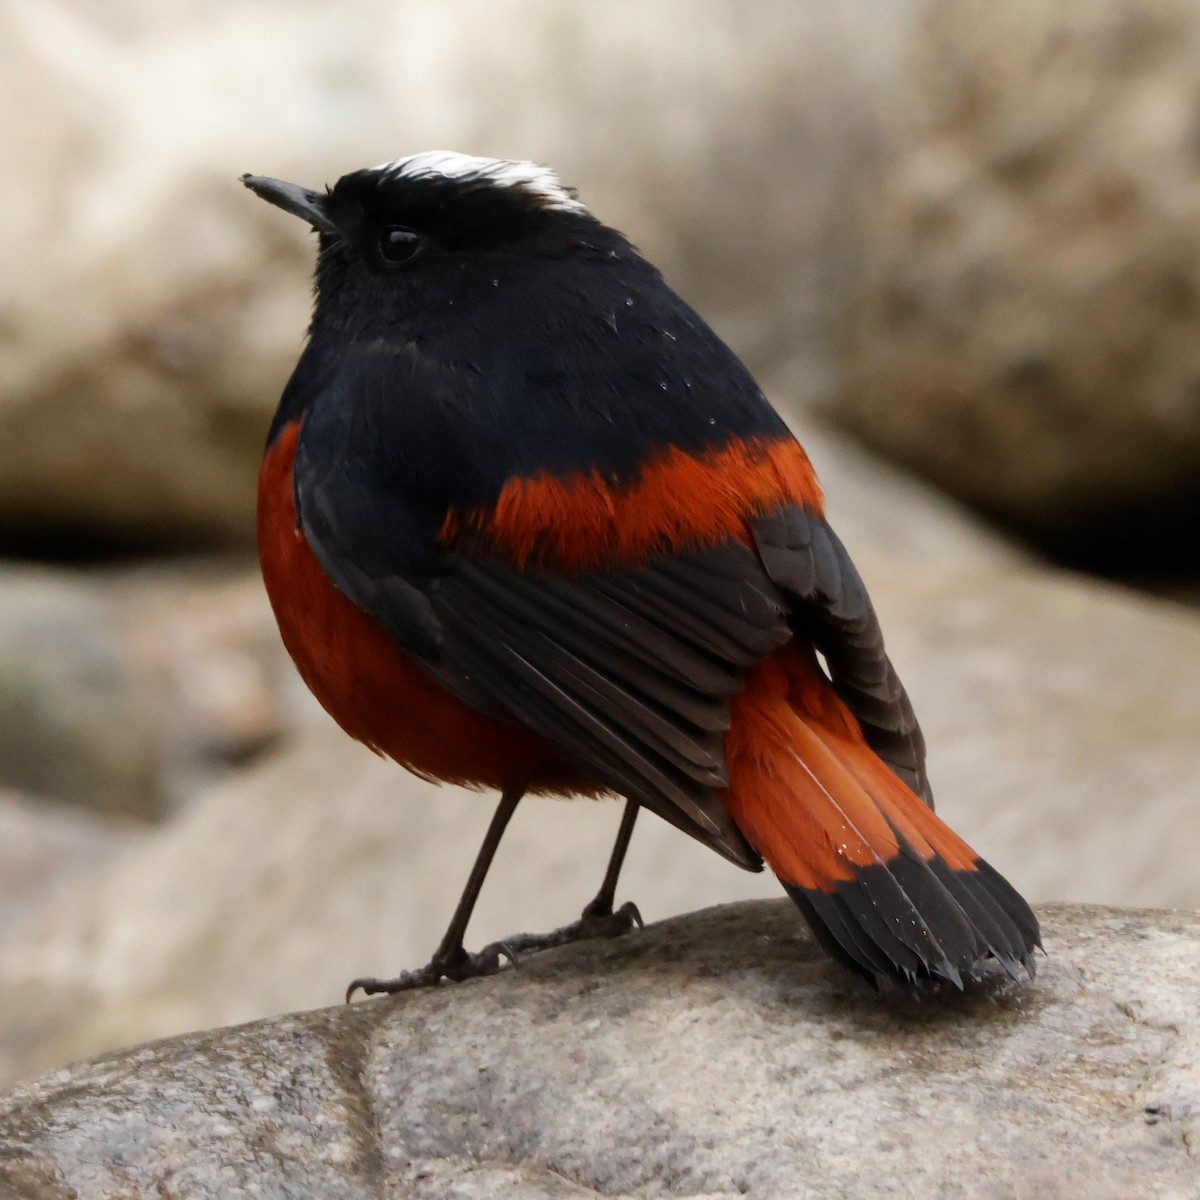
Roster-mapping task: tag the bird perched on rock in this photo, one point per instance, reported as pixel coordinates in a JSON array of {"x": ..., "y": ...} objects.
[{"x": 527, "y": 523}]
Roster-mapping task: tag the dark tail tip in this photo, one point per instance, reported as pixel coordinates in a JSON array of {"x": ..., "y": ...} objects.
[{"x": 911, "y": 920}]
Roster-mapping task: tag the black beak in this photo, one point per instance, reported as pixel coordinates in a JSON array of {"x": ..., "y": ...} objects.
[{"x": 299, "y": 201}]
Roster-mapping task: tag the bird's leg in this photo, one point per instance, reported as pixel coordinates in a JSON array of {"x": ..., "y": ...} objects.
[
  {"x": 450, "y": 960},
  {"x": 602, "y": 905},
  {"x": 598, "y": 919}
]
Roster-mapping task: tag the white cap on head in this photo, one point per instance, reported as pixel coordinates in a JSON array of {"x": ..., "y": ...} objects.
[{"x": 540, "y": 182}]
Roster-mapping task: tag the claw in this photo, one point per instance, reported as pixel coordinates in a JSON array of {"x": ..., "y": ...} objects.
[
  {"x": 455, "y": 968},
  {"x": 500, "y": 949},
  {"x": 405, "y": 981},
  {"x": 460, "y": 965}
]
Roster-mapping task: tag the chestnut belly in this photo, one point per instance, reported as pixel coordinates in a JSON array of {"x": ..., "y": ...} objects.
[{"x": 366, "y": 682}]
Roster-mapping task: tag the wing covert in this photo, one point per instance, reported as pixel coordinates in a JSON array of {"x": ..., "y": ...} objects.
[
  {"x": 806, "y": 560},
  {"x": 628, "y": 673}
]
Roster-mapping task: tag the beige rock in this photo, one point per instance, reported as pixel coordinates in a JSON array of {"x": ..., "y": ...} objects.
[
  {"x": 717, "y": 1055},
  {"x": 889, "y": 517},
  {"x": 150, "y": 309},
  {"x": 1062, "y": 717},
  {"x": 280, "y": 886},
  {"x": 44, "y": 846},
  {"x": 1023, "y": 329}
]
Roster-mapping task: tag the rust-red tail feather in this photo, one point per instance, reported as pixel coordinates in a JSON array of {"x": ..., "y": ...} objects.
[{"x": 889, "y": 889}]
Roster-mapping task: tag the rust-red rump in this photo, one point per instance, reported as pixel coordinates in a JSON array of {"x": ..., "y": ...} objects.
[{"x": 808, "y": 792}]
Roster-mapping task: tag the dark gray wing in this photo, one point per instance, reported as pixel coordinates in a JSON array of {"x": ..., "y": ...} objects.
[
  {"x": 830, "y": 606},
  {"x": 628, "y": 674}
]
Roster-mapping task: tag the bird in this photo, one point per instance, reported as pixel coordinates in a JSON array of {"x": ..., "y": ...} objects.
[{"x": 526, "y": 523}]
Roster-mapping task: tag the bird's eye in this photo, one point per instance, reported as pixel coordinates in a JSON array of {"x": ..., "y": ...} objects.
[{"x": 398, "y": 245}]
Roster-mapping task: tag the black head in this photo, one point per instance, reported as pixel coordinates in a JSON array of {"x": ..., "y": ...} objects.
[
  {"x": 481, "y": 290},
  {"x": 410, "y": 235}
]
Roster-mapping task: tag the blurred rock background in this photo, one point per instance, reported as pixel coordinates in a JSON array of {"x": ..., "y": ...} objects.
[
  {"x": 964, "y": 235},
  {"x": 1024, "y": 331}
]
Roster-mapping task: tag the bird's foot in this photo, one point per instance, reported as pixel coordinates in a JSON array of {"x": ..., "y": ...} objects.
[
  {"x": 456, "y": 966},
  {"x": 598, "y": 920}
]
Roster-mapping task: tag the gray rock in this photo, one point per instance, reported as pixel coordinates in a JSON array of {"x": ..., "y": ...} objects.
[
  {"x": 716, "y": 1055},
  {"x": 129, "y": 689},
  {"x": 1022, "y": 331},
  {"x": 200, "y": 637},
  {"x": 74, "y": 723}
]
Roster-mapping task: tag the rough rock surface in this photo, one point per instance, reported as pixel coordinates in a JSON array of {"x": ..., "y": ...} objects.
[
  {"x": 716, "y": 1055},
  {"x": 150, "y": 308},
  {"x": 1023, "y": 331}
]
